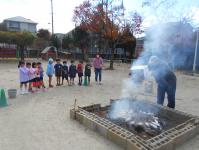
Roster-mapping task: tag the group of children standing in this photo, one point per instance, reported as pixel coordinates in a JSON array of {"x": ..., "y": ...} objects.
[
  {"x": 68, "y": 73},
  {"x": 31, "y": 75}
]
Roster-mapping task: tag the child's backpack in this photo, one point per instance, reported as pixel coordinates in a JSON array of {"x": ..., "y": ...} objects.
[{"x": 79, "y": 68}]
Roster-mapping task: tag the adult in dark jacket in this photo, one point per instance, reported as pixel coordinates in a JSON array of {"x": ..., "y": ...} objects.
[{"x": 166, "y": 80}]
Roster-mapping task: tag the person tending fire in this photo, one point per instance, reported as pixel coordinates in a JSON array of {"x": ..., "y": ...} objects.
[{"x": 165, "y": 79}]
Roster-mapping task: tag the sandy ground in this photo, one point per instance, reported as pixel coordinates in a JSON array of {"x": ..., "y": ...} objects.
[{"x": 41, "y": 121}]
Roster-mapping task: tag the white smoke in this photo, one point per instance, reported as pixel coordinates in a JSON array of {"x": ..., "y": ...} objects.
[
  {"x": 173, "y": 43},
  {"x": 128, "y": 109},
  {"x": 130, "y": 89}
]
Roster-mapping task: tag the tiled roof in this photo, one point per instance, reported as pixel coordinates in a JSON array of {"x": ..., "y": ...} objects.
[{"x": 20, "y": 19}]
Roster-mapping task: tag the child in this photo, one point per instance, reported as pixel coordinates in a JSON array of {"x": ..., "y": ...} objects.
[
  {"x": 34, "y": 80},
  {"x": 39, "y": 65},
  {"x": 31, "y": 75},
  {"x": 37, "y": 82},
  {"x": 87, "y": 71},
  {"x": 80, "y": 72},
  {"x": 72, "y": 72},
  {"x": 50, "y": 71},
  {"x": 23, "y": 77},
  {"x": 65, "y": 72},
  {"x": 58, "y": 71}
]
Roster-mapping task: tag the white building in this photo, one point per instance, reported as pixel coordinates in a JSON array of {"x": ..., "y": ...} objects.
[{"x": 20, "y": 24}]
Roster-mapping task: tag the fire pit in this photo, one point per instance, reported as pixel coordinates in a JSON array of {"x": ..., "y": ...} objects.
[{"x": 138, "y": 125}]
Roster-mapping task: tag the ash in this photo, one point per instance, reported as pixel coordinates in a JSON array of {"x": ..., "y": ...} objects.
[{"x": 137, "y": 116}]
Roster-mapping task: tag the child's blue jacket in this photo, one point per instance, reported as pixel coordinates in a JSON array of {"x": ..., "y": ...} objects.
[{"x": 50, "y": 69}]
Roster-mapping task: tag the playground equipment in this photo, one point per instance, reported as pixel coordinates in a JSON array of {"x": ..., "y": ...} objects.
[
  {"x": 3, "y": 100},
  {"x": 85, "y": 81}
]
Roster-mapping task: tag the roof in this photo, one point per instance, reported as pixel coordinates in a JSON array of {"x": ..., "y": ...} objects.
[
  {"x": 66, "y": 53},
  {"x": 20, "y": 19},
  {"x": 49, "y": 48}
]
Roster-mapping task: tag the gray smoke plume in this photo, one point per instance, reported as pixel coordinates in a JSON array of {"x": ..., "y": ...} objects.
[{"x": 173, "y": 43}]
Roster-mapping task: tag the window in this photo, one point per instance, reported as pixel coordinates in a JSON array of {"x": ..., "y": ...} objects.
[
  {"x": 32, "y": 27},
  {"x": 13, "y": 24}
]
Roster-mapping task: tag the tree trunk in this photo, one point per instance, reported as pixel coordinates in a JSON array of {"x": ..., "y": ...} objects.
[
  {"x": 125, "y": 59},
  {"x": 85, "y": 54},
  {"x": 111, "y": 64},
  {"x": 112, "y": 57},
  {"x": 22, "y": 53},
  {"x": 125, "y": 51},
  {"x": 131, "y": 54},
  {"x": 100, "y": 43}
]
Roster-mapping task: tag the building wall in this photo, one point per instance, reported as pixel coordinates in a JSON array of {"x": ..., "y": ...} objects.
[
  {"x": 27, "y": 27},
  {"x": 139, "y": 47},
  {"x": 13, "y": 26},
  {"x": 21, "y": 26},
  {"x": 7, "y": 50},
  {"x": 32, "y": 27},
  {"x": 24, "y": 26}
]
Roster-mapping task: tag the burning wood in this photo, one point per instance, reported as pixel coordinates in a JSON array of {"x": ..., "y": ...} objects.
[
  {"x": 144, "y": 124},
  {"x": 136, "y": 117}
]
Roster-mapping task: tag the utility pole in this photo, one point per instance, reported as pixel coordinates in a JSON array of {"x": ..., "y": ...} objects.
[
  {"x": 196, "y": 50},
  {"x": 101, "y": 26},
  {"x": 52, "y": 17}
]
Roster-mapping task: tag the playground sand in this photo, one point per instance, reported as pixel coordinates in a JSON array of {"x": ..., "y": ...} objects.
[{"x": 41, "y": 121}]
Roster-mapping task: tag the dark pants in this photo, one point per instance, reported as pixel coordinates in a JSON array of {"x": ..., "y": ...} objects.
[
  {"x": 170, "y": 89},
  {"x": 98, "y": 72}
]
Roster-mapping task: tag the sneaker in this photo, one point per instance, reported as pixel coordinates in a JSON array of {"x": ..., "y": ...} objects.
[
  {"x": 39, "y": 91},
  {"x": 50, "y": 86},
  {"x": 30, "y": 90},
  {"x": 100, "y": 83},
  {"x": 26, "y": 92},
  {"x": 21, "y": 92}
]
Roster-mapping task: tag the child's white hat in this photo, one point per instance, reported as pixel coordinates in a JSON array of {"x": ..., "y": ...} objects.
[{"x": 50, "y": 60}]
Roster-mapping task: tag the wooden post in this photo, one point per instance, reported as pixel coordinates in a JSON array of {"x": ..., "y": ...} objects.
[{"x": 75, "y": 104}]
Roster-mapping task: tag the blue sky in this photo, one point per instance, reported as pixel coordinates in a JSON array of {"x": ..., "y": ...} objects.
[{"x": 39, "y": 11}]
